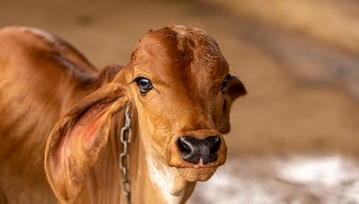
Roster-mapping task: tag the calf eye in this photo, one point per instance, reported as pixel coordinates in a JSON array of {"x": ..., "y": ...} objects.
[
  {"x": 225, "y": 81},
  {"x": 144, "y": 85}
]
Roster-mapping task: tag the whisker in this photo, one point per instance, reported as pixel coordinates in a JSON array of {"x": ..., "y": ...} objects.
[{"x": 239, "y": 71}]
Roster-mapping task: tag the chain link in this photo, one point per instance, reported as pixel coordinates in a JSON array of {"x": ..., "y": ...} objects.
[{"x": 124, "y": 159}]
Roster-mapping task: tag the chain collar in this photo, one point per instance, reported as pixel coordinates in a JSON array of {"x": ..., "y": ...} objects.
[{"x": 124, "y": 159}]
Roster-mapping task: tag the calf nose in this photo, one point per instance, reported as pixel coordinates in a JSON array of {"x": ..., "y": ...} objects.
[{"x": 193, "y": 149}]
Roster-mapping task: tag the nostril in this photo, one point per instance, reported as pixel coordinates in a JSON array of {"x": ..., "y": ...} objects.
[
  {"x": 215, "y": 145},
  {"x": 184, "y": 145},
  {"x": 188, "y": 147}
]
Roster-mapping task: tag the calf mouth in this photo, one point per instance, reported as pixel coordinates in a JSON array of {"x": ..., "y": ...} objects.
[
  {"x": 200, "y": 165},
  {"x": 196, "y": 154},
  {"x": 197, "y": 174},
  {"x": 195, "y": 171}
]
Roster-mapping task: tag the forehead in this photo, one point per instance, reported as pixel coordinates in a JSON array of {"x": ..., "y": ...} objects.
[{"x": 179, "y": 53}]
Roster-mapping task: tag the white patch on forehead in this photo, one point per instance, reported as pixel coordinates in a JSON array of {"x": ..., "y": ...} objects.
[
  {"x": 180, "y": 26},
  {"x": 41, "y": 33},
  {"x": 163, "y": 177}
]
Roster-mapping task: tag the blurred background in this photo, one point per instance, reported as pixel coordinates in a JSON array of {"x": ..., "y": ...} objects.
[{"x": 294, "y": 136}]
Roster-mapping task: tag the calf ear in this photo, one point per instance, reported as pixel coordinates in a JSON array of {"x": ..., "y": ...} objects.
[
  {"x": 232, "y": 91},
  {"x": 74, "y": 144}
]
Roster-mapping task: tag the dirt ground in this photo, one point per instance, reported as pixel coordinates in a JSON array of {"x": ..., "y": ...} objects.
[{"x": 298, "y": 59}]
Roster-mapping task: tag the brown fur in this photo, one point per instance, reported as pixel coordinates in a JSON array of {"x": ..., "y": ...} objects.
[{"x": 43, "y": 78}]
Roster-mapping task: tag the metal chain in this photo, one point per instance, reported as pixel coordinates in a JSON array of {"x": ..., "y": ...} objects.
[{"x": 124, "y": 159}]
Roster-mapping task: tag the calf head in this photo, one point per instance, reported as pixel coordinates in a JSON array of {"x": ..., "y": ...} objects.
[{"x": 179, "y": 82}]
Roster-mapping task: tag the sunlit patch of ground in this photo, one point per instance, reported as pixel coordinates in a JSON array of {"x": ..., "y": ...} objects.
[{"x": 329, "y": 179}]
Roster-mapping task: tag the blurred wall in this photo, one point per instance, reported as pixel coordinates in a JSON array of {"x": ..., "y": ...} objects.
[{"x": 298, "y": 59}]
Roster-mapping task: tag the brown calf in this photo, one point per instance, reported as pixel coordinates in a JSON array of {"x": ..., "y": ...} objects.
[{"x": 177, "y": 88}]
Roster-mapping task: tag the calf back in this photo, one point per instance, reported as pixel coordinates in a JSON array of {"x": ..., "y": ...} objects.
[{"x": 41, "y": 77}]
